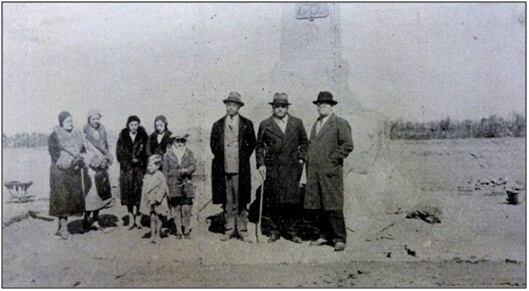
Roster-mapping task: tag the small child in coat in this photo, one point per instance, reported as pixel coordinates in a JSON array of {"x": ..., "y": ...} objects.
[
  {"x": 179, "y": 164},
  {"x": 154, "y": 196}
]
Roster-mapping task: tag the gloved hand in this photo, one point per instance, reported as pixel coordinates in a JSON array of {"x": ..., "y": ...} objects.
[
  {"x": 78, "y": 162},
  {"x": 262, "y": 171},
  {"x": 104, "y": 164}
]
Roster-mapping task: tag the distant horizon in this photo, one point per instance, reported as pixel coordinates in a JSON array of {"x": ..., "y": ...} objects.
[{"x": 256, "y": 123}]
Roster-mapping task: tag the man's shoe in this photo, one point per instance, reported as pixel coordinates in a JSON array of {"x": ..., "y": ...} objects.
[
  {"x": 297, "y": 239},
  {"x": 273, "y": 237},
  {"x": 96, "y": 226},
  {"x": 339, "y": 246},
  {"x": 318, "y": 242}
]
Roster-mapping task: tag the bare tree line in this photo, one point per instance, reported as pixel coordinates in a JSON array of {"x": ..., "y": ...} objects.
[{"x": 491, "y": 127}]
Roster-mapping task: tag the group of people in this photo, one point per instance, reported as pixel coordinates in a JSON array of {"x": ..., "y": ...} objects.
[{"x": 156, "y": 171}]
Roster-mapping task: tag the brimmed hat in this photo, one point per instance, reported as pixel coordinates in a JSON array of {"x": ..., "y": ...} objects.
[
  {"x": 325, "y": 97},
  {"x": 179, "y": 135},
  {"x": 156, "y": 158},
  {"x": 235, "y": 98},
  {"x": 280, "y": 98}
]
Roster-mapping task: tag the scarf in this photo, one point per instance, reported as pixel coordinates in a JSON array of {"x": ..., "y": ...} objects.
[
  {"x": 71, "y": 144},
  {"x": 97, "y": 147}
]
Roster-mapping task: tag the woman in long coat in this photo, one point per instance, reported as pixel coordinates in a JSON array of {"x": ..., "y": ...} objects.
[
  {"x": 67, "y": 171},
  {"x": 160, "y": 138},
  {"x": 131, "y": 153},
  {"x": 99, "y": 160}
]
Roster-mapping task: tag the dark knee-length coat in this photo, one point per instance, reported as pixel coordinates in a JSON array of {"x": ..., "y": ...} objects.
[
  {"x": 326, "y": 152},
  {"x": 131, "y": 174},
  {"x": 246, "y": 148},
  {"x": 66, "y": 192},
  {"x": 280, "y": 153}
]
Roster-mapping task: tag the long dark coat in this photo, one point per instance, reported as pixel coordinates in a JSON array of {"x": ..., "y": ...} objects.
[
  {"x": 66, "y": 193},
  {"x": 280, "y": 153},
  {"x": 158, "y": 148},
  {"x": 246, "y": 147},
  {"x": 180, "y": 185},
  {"x": 131, "y": 174},
  {"x": 326, "y": 153}
]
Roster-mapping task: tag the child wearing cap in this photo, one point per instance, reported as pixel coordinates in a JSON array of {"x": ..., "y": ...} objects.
[
  {"x": 154, "y": 196},
  {"x": 179, "y": 164}
]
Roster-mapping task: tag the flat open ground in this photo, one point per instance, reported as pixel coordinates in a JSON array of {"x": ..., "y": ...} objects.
[{"x": 479, "y": 242}]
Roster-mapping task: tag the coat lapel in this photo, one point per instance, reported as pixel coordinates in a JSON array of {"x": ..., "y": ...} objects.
[
  {"x": 290, "y": 126},
  {"x": 172, "y": 156},
  {"x": 274, "y": 128},
  {"x": 325, "y": 128}
]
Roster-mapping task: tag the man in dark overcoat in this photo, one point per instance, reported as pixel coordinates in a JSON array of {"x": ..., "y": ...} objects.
[
  {"x": 232, "y": 142},
  {"x": 280, "y": 153},
  {"x": 330, "y": 143}
]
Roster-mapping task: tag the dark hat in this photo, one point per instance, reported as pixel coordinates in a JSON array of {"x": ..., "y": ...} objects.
[
  {"x": 280, "y": 98},
  {"x": 133, "y": 118},
  {"x": 62, "y": 116},
  {"x": 325, "y": 97},
  {"x": 179, "y": 135},
  {"x": 235, "y": 98}
]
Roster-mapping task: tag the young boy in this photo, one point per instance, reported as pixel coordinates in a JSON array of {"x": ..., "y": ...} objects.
[
  {"x": 154, "y": 196},
  {"x": 179, "y": 164}
]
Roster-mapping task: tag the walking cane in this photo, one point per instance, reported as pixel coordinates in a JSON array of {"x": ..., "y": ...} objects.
[{"x": 258, "y": 227}]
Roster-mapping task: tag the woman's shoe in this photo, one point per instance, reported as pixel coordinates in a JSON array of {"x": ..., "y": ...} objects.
[
  {"x": 178, "y": 236},
  {"x": 133, "y": 226}
]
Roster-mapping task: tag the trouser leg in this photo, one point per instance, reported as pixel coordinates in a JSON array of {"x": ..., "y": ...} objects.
[
  {"x": 323, "y": 225},
  {"x": 186, "y": 217},
  {"x": 274, "y": 220},
  {"x": 289, "y": 222},
  {"x": 241, "y": 223},
  {"x": 177, "y": 215},
  {"x": 230, "y": 208},
  {"x": 336, "y": 222}
]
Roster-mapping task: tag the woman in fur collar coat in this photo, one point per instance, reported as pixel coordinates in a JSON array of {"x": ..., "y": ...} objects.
[
  {"x": 66, "y": 172},
  {"x": 160, "y": 139},
  {"x": 131, "y": 153},
  {"x": 99, "y": 160}
]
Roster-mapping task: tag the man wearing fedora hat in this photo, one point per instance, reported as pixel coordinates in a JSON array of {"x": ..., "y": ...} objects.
[
  {"x": 280, "y": 153},
  {"x": 330, "y": 143},
  {"x": 232, "y": 142}
]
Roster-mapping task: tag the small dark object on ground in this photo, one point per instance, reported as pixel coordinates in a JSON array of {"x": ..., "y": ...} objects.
[
  {"x": 424, "y": 216},
  {"x": 410, "y": 251},
  {"x": 388, "y": 255},
  {"x": 509, "y": 261},
  {"x": 77, "y": 283},
  {"x": 512, "y": 197}
]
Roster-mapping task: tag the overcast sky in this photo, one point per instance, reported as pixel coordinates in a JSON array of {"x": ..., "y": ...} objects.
[{"x": 417, "y": 61}]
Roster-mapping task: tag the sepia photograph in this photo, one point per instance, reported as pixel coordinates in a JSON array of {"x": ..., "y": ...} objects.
[{"x": 259, "y": 144}]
